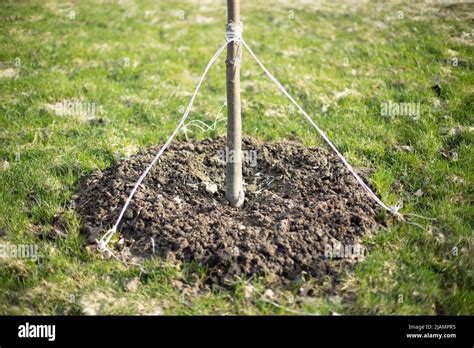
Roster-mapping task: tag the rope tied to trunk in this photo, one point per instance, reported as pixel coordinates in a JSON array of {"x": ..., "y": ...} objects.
[{"x": 233, "y": 32}]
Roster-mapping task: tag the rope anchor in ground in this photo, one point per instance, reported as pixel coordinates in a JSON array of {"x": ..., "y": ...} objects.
[{"x": 234, "y": 34}]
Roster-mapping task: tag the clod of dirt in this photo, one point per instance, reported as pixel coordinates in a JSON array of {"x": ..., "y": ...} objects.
[{"x": 301, "y": 205}]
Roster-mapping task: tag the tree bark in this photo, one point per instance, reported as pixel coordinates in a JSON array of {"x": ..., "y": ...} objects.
[{"x": 234, "y": 184}]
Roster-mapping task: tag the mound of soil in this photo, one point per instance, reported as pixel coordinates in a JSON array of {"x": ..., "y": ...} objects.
[{"x": 300, "y": 202}]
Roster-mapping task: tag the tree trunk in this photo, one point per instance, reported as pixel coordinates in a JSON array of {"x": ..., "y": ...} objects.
[{"x": 234, "y": 190}]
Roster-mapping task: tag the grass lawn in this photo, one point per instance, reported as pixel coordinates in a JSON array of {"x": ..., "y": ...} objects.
[{"x": 135, "y": 65}]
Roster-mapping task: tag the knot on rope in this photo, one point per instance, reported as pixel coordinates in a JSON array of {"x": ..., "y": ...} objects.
[
  {"x": 233, "y": 31},
  {"x": 394, "y": 209}
]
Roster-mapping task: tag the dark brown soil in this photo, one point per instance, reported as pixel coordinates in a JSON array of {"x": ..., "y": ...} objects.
[{"x": 298, "y": 200}]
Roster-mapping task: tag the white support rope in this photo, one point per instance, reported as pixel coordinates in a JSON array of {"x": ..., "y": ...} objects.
[
  {"x": 393, "y": 209},
  {"x": 108, "y": 235}
]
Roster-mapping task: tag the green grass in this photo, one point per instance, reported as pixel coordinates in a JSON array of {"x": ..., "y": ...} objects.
[{"x": 326, "y": 48}]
